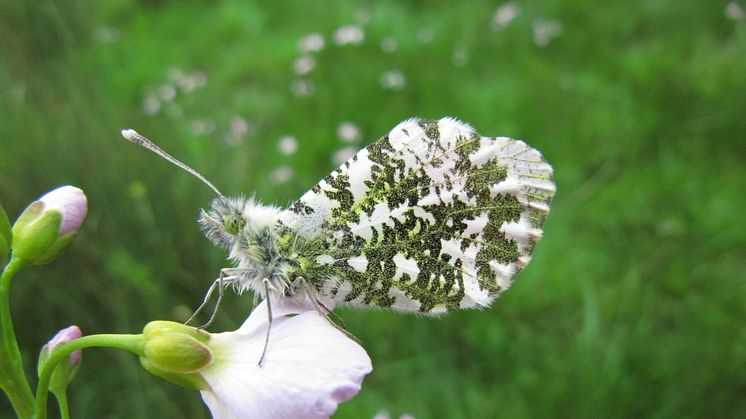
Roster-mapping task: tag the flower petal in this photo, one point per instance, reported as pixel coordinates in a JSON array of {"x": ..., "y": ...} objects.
[
  {"x": 71, "y": 202},
  {"x": 309, "y": 368}
]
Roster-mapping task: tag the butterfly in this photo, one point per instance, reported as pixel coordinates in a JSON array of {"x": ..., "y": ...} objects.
[{"x": 430, "y": 218}]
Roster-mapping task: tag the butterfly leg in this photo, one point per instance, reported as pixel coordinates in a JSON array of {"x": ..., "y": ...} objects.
[
  {"x": 321, "y": 308},
  {"x": 205, "y": 301},
  {"x": 221, "y": 290},
  {"x": 269, "y": 320},
  {"x": 227, "y": 276}
]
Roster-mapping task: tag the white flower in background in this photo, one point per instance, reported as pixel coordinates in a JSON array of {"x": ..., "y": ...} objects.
[
  {"x": 384, "y": 414},
  {"x": 187, "y": 82},
  {"x": 303, "y": 65},
  {"x": 282, "y": 174},
  {"x": 504, "y": 15},
  {"x": 393, "y": 80},
  {"x": 313, "y": 42},
  {"x": 425, "y": 35},
  {"x": 734, "y": 11},
  {"x": 202, "y": 126},
  {"x": 545, "y": 30},
  {"x": 151, "y": 105},
  {"x": 348, "y": 132},
  {"x": 349, "y": 35},
  {"x": 389, "y": 44},
  {"x": 301, "y": 87},
  {"x": 287, "y": 145},
  {"x": 459, "y": 57},
  {"x": 309, "y": 367},
  {"x": 344, "y": 154},
  {"x": 238, "y": 130},
  {"x": 167, "y": 92}
]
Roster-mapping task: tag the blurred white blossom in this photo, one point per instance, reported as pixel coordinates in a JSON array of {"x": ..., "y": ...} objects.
[
  {"x": 384, "y": 414},
  {"x": 287, "y": 145},
  {"x": 734, "y": 11},
  {"x": 303, "y": 64},
  {"x": 237, "y": 131},
  {"x": 344, "y": 154},
  {"x": 459, "y": 58},
  {"x": 348, "y": 132},
  {"x": 389, "y": 44},
  {"x": 151, "y": 104},
  {"x": 313, "y": 42},
  {"x": 202, "y": 126},
  {"x": 187, "y": 82},
  {"x": 545, "y": 30},
  {"x": 393, "y": 80},
  {"x": 505, "y": 14},
  {"x": 349, "y": 35},
  {"x": 282, "y": 174},
  {"x": 301, "y": 87},
  {"x": 425, "y": 35},
  {"x": 167, "y": 92}
]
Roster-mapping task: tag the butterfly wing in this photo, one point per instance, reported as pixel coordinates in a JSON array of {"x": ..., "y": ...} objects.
[{"x": 430, "y": 218}]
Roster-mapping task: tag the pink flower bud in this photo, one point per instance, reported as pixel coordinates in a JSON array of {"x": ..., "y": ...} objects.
[
  {"x": 71, "y": 202},
  {"x": 66, "y": 335},
  {"x": 48, "y": 225},
  {"x": 67, "y": 368}
]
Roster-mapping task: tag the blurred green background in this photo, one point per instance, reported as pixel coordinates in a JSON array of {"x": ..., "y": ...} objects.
[{"x": 635, "y": 302}]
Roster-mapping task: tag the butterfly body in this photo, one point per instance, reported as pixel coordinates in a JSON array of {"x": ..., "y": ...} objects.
[{"x": 430, "y": 218}]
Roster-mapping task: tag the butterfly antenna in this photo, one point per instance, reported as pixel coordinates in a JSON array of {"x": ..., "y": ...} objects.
[{"x": 134, "y": 137}]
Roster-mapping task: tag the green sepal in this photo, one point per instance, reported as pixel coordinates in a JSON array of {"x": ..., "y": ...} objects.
[
  {"x": 55, "y": 248},
  {"x": 192, "y": 381},
  {"x": 63, "y": 373},
  {"x": 176, "y": 353},
  {"x": 6, "y": 237},
  {"x": 161, "y": 327},
  {"x": 35, "y": 232}
]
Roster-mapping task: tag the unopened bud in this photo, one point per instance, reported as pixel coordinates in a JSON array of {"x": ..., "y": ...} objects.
[
  {"x": 176, "y": 352},
  {"x": 48, "y": 225},
  {"x": 66, "y": 370}
]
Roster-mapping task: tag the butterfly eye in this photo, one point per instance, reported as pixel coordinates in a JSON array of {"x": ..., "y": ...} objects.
[{"x": 232, "y": 223}]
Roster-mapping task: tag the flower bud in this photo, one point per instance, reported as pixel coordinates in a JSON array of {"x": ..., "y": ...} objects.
[
  {"x": 176, "y": 352},
  {"x": 5, "y": 237},
  {"x": 48, "y": 225},
  {"x": 66, "y": 370}
]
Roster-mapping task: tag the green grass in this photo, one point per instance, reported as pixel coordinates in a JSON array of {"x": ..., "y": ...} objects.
[{"x": 634, "y": 304}]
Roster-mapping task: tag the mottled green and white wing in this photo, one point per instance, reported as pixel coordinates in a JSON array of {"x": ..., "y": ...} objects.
[{"x": 430, "y": 218}]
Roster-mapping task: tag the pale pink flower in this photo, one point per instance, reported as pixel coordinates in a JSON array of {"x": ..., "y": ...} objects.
[
  {"x": 309, "y": 368},
  {"x": 71, "y": 202}
]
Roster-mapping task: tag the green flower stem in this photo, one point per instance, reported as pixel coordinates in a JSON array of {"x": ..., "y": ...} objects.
[
  {"x": 63, "y": 405},
  {"x": 12, "y": 379},
  {"x": 132, "y": 343}
]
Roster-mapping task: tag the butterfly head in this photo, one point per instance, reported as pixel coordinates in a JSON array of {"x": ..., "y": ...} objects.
[{"x": 230, "y": 219}]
